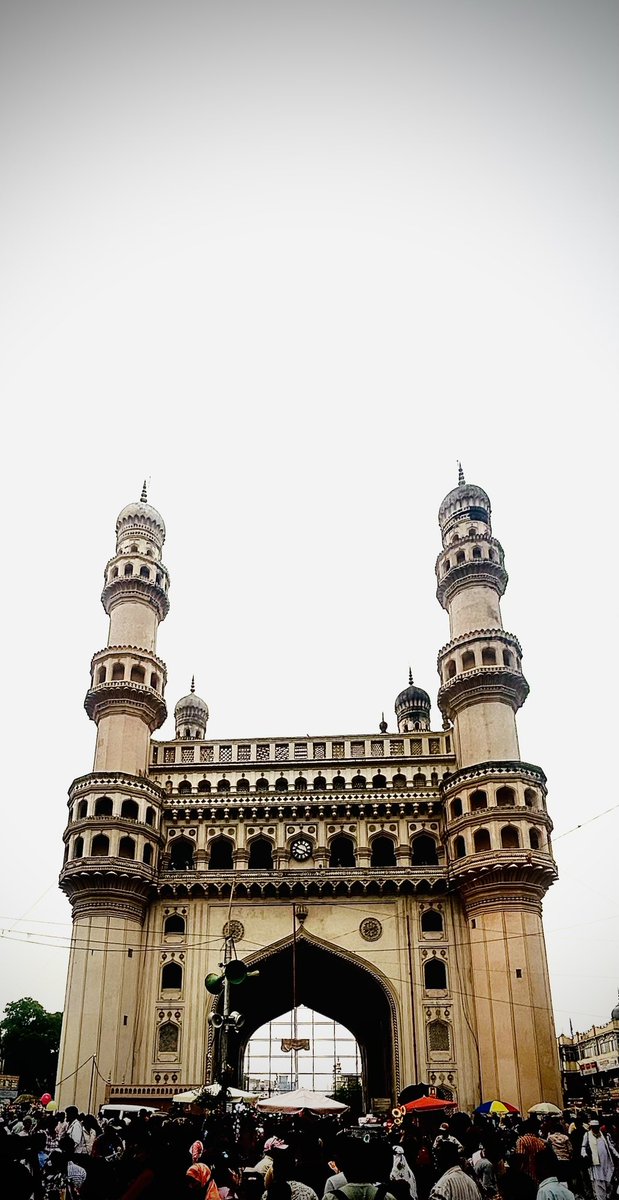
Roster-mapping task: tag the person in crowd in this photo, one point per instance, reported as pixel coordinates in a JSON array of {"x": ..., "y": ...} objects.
[
  {"x": 551, "y": 1187},
  {"x": 280, "y": 1183},
  {"x": 401, "y": 1172},
  {"x": 441, "y": 1138},
  {"x": 266, "y": 1162},
  {"x": 529, "y": 1145},
  {"x": 513, "y": 1181},
  {"x": 75, "y": 1130},
  {"x": 601, "y": 1158},
  {"x": 453, "y": 1183},
  {"x": 201, "y": 1183}
]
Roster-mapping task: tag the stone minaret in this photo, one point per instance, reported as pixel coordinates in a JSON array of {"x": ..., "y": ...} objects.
[
  {"x": 497, "y": 827},
  {"x": 113, "y": 834}
]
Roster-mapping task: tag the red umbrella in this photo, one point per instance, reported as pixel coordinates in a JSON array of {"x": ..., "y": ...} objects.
[{"x": 428, "y": 1104}]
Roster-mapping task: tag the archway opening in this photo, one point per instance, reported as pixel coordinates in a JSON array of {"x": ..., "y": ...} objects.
[
  {"x": 330, "y": 1060},
  {"x": 330, "y": 984}
]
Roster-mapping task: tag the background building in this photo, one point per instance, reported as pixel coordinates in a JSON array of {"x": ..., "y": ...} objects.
[
  {"x": 390, "y": 880},
  {"x": 590, "y": 1062}
]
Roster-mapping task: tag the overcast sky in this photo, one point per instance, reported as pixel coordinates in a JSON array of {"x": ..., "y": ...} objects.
[{"x": 291, "y": 261}]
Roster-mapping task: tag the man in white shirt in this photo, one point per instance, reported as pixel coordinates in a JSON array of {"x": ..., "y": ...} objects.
[{"x": 601, "y": 1157}]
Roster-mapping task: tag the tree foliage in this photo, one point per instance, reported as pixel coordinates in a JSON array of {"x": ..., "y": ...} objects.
[{"x": 29, "y": 1041}]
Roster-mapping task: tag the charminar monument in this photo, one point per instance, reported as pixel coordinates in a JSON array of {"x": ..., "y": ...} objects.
[{"x": 390, "y": 880}]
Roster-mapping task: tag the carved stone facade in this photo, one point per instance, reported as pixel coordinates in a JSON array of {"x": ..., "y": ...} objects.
[{"x": 409, "y": 866}]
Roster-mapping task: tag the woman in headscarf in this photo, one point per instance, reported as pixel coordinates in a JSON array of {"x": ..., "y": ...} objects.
[
  {"x": 200, "y": 1181},
  {"x": 402, "y": 1173}
]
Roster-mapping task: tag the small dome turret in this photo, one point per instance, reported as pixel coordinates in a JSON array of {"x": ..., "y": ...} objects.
[
  {"x": 191, "y": 715},
  {"x": 465, "y": 504},
  {"x": 614, "y": 1016},
  {"x": 412, "y": 707},
  {"x": 140, "y": 518}
]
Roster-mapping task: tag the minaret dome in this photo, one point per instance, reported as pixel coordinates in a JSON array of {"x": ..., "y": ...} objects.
[
  {"x": 412, "y": 707},
  {"x": 191, "y": 716},
  {"x": 139, "y": 520}
]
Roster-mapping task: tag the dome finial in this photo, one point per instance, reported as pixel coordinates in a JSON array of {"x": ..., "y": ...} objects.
[
  {"x": 383, "y": 724},
  {"x": 410, "y": 675},
  {"x": 461, "y": 478},
  {"x": 144, "y": 496},
  {"x": 193, "y": 684}
]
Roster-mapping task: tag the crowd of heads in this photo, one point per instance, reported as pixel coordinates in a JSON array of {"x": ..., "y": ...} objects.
[{"x": 223, "y": 1154}]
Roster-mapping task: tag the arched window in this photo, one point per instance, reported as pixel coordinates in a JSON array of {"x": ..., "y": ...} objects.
[
  {"x": 154, "y": 681},
  {"x": 530, "y": 798},
  {"x": 534, "y": 839},
  {"x": 300, "y": 784},
  {"x": 383, "y": 852},
  {"x": 419, "y": 780},
  {"x": 150, "y": 816},
  {"x": 184, "y": 788},
  {"x": 174, "y": 924},
  {"x": 168, "y": 1037},
  {"x": 103, "y": 806},
  {"x": 476, "y": 552},
  {"x": 459, "y": 847},
  {"x": 508, "y": 659},
  {"x": 479, "y": 801},
  {"x": 130, "y": 809},
  {"x": 220, "y": 857},
  {"x": 505, "y": 795},
  {"x": 223, "y": 785},
  {"x": 438, "y": 1036},
  {"x": 451, "y": 669},
  {"x": 172, "y": 977},
  {"x": 204, "y": 785},
  {"x": 82, "y": 810},
  {"x": 342, "y": 851},
  {"x": 460, "y": 556},
  {"x": 101, "y": 675},
  {"x": 144, "y": 573},
  {"x": 447, "y": 565},
  {"x": 78, "y": 848},
  {"x": 115, "y": 573},
  {"x": 118, "y": 671},
  {"x": 358, "y": 783},
  {"x": 456, "y": 808},
  {"x": 339, "y": 783},
  {"x": 262, "y": 785},
  {"x": 181, "y": 854},
  {"x": 399, "y": 781},
  {"x": 100, "y": 846},
  {"x": 281, "y": 784},
  {"x": 431, "y": 921},
  {"x": 320, "y": 784},
  {"x": 242, "y": 785},
  {"x": 147, "y": 854},
  {"x": 126, "y": 848},
  {"x": 468, "y": 661},
  {"x": 434, "y": 975},
  {"x": 260, "y": 855},
  {"x": 379, "y": 780},
  {"x": 424, "y": 851},
  {"x": 481, "y": 840},
  {"x": 488, "y": 657},
  {"x": 510, "y": 838},
  {"x": 128, "y": 570}
]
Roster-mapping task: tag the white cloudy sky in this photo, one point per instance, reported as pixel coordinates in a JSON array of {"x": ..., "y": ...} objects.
[{"x": 291, "y": 261}]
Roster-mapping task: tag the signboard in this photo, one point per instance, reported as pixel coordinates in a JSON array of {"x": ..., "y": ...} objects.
[
  {"x": 588, "y": 1067},
  {"x": 381, "y": 1104},
  {"x": 607, "y": 1062}
]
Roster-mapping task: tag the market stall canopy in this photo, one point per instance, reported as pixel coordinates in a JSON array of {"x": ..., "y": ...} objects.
[
  {"x": 496, "y": 1106},
  {"x": 297, "y": 1101},
  {"x": 428, "y": 1104}
]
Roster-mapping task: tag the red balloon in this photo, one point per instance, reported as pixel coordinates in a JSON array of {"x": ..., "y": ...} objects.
[{"x": 45, "y": 1098}]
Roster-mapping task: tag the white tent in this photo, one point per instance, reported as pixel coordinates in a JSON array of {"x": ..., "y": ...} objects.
[
  {"x": 212, "y": 1089},
  {"x": 297, "y": 1101}
]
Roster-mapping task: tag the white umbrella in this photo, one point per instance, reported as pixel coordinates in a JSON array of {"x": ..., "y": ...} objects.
[
  {"x": 297, "y": 1101},
  {"x": 545, "y": 1106}
]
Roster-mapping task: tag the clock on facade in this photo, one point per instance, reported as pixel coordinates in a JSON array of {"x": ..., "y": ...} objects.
[{"x": 301, "y": 849}]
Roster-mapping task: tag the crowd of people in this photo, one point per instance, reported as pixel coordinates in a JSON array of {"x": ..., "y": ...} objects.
[{"x": 236, "y": 1155}]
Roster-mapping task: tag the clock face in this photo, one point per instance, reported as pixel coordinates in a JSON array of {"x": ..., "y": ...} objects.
[{"x": 301, "y": 849}]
